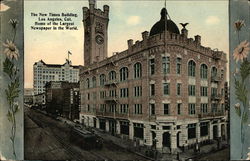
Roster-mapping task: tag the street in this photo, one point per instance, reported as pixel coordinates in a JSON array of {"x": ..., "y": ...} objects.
[
  {"x": 219, "y": 155},
  {"x": 48, "y": 139}
]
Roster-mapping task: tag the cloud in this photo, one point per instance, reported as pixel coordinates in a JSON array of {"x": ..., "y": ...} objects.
[
  {"x": 3, "y": 7},
  {"x": 133, "y": 20},
  {"x": 212, "y": 20}
]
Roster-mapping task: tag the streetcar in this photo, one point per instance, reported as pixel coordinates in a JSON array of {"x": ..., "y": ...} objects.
[{"x": 85, "y": 139}]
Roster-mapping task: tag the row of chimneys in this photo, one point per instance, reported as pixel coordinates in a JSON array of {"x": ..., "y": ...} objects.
[
  {"x": 184, "y": 32},
  {"x": 197, "y": 38}
]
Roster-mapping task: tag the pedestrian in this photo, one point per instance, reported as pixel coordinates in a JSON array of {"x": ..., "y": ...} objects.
[
  {"x": 177, "y": 156},
  {"x": 197, "y": 147}
]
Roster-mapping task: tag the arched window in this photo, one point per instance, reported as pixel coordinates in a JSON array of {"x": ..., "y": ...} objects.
[
  {"x": 203, "y": 71},
  {"x": 102, "y": 79},
  {"x": 214, "y": 72},
  {"x": 112, "y": 75},
  {"x": 94, "y": 82},
  {"x": 191, "y": 68},
  {"x": 123, "y": 74},
  {"x": 87, "y": 83},
  {"x": 137, "y": 70}
]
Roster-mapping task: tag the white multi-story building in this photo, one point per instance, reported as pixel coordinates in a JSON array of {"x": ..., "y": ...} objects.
[{"x": 43, "y": 73}]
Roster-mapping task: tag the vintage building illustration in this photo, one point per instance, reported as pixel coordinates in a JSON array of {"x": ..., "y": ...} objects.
[{"x": 165, "y": 91}]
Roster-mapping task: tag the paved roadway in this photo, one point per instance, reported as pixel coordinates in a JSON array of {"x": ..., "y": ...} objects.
[
  {"x": 219, "y": 155},
  {"x": 48, "y": 139}
]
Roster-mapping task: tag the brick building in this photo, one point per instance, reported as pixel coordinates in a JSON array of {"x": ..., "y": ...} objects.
[
  {"x": 39, "y": 100},
  {"x": 164, "y": 91},
  {"x": 63, "y": 98}
]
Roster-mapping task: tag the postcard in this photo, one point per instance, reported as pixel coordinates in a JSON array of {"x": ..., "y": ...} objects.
[{"x": 124, "y": 80}]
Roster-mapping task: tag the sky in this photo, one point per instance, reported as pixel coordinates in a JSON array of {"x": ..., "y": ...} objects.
[{"x": 128, "y": 19}]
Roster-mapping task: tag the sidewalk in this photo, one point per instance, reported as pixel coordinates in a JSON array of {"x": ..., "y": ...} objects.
[
  {"x": 140, "y": 150},
  {"x": 126, "y": 144},
  {"x": 190, "y": 154}
]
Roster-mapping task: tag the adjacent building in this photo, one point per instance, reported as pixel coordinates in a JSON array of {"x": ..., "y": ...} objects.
[
  {"x": 28, "y": 95},
  {"x": 63, "y": 98},
  {"x": 43, "y": 73},
  {"x": 39, "y": 100},
  {"x": 166, "y": 90}
]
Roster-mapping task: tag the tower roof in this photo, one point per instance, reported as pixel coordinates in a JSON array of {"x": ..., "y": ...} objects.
[{"x": 164, "y": 24}]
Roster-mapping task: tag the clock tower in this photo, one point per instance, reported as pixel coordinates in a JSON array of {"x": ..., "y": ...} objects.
[{"x": 95, "y": 23}]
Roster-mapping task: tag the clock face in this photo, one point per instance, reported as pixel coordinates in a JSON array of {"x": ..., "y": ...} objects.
[{"x": 99, "y": 39}]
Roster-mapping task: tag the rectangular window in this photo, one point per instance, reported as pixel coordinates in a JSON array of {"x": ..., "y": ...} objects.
[
  {"x": 123, "y": 108},
  {"x": 166, "y": 65},
  {"x": 137, "y": 91},
  {"x": 102, "y": 94},
  {"x": 191, "y": 131},
  {"x": 138, "y": 130},
  {"x": 204, "y": 108},
  {"x": 112, "y": 108},
  {"x": 166, "y": 87},
  {"x": 103, "y": 107},
  {"x": 152, "y": 66},
  {"x": 152, "y": 108},
  {"x": 178, "y": 89},
  {"x": 203, "y": 128},
  {"x": 138, "y": 109},
  {"x": 214, "y": 107},
  {"x": 166, "y": 109},
  {"x": 112, "y": 93},
  {"x": 88, "y": 96},
  {"x": 166, "y": 127},
  {"x": 203, "y": 91},
  {"x": 124, "y": 127},
  {"x": 191, "y": 109},
  {"x": 179, "y": 108},
  {"x": 124, "y": 92},
  {"x": 214, "y": 91},
  {"x": 178, "y": 66},
  {"x": 191, "y": 90},
  {"x": 152, "y": 89}
]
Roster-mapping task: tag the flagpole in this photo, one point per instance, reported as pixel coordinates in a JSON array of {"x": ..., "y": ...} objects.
[{"x": 68, "y": 55}]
